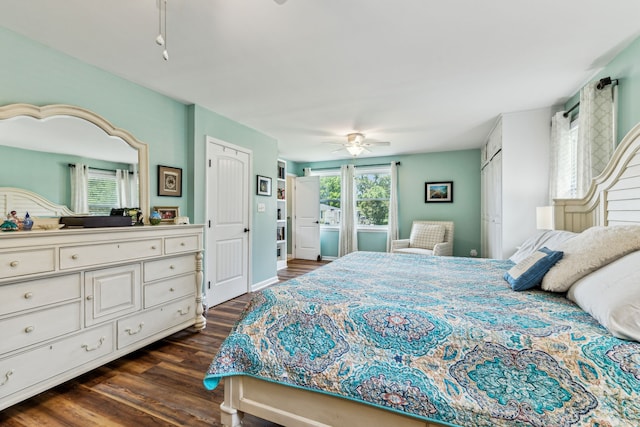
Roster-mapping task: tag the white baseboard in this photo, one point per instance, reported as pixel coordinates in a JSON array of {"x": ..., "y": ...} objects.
[
  {"x": 329, "y": 258},
  {"x": 261, "y": 285}
]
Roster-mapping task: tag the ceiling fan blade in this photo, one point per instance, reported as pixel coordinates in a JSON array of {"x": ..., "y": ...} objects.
[
  {"x": 333, "y": 142},
  {"x": 377, "y": 143},
  {"x": 338, "y": 150}
]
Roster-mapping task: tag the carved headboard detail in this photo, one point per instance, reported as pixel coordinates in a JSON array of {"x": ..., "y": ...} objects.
[
  {"x": 22, "y": 201},
  {"x": 614, "y": 195}
]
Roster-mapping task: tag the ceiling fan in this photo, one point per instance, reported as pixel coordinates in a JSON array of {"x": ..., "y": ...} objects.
[{"x": 356, "y": 144}]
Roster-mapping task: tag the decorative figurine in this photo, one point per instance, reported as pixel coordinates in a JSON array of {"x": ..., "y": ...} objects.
[
  {"x": 27, "y": 222},
  {"x": 8, "y": 225}
]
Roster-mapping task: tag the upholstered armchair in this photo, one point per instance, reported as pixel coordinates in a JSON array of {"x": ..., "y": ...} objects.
[{"x": 427, "y": 238}]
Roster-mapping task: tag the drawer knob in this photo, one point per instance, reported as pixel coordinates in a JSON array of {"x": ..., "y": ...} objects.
[
  {"x": 28, "y": 295},
  {"x": 171, "y": 289},
  {"x": 7, "y": 377},
  {"x": 29, "y": 329},
  {"x": 75, "y": 256},
  {"x": 172, "y": 267},
  {"x": 14, "y": 263},
  {"x": 89, "y": 297},
  {"x": 153, "y": 247},
  {"x": 97, "y": 346},
  {"x": 183, "y": 244},
  {"x": 184, "y": 312},
  {"x": 132, "y": 332}
]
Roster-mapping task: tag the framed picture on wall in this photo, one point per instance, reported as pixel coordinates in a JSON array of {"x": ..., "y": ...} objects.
[
  {"x": 438, "y": 192},
  {"x": 263, "y": 187},
  {"x": 169, "y": 181}
]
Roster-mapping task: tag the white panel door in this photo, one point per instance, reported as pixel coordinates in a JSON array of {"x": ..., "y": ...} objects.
[
  {"x": 307, "y": 211},
  {"x": 227, "y": 251}
]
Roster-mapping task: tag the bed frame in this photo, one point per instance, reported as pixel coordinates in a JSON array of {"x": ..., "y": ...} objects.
[{"x": 613, "y": 198}]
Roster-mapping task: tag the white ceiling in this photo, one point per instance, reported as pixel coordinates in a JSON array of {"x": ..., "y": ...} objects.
[{"x": 426, "y": 75}]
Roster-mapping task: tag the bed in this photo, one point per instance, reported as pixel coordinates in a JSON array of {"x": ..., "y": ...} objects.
[{"x": 377, "y": 339}]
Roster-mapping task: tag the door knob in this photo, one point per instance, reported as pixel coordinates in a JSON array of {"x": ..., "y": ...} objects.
[
  {"x": 317, "y": 222},
  {"x": 246, "y": 230}
]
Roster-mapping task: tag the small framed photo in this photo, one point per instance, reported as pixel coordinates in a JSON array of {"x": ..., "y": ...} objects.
[
  {"x": 169, "y": 181},
  {"x": 168, "y": 213},
  {"x": 263, "y": 187},
  {"x": 438, "y": 192}
]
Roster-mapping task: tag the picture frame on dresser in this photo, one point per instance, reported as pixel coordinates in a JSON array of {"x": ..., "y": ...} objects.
[
  {"x": 169, "y": 181},
  {"x": 167, "y": 213}
]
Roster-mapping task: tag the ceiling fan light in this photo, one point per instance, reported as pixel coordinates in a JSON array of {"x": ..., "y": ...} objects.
[
  {"x": 355, "y": 138},
  {"x": 354, "y": 150}
]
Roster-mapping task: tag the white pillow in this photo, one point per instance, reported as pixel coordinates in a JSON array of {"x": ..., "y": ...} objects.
[
  {"x": 612, "y": 296},
  {"x": 552, "y": 239},
  {"x": 593, "y": 248},
  {"x": 426, "y": 236}
]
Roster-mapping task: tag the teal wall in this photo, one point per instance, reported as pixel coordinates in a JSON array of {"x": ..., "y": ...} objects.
[
  {"x": 461, "y": 167},
  {"x": 35, "y": 74},
  {"x": 626, "y": 68}
]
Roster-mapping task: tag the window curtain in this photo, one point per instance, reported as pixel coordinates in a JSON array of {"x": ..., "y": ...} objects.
[
  {"x": 127, "y": 188},
  {"x": 348, "y": 235},
  {"x": 561, "y": 170},
  {"x": 596, "y": 133},
  {"x": 80, "y": 188},
  {"x": 392, "y": 232},
  {"x": 307, "y": 171}
]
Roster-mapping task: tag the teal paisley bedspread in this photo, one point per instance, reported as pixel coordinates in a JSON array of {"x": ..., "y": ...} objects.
[{"x": 439, "y": 338}]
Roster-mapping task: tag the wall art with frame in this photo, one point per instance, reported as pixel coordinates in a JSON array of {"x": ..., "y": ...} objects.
[
  {"x": 169, "y": 181},
  {"x": 263, "y": 186},
  {"x": 438, "y": 192}
]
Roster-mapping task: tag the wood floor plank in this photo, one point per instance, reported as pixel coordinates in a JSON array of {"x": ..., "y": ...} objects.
[{"x": 159, "y": 385}]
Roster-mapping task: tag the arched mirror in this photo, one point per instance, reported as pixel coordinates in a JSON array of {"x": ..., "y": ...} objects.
[{"x": 38, "y": 146}]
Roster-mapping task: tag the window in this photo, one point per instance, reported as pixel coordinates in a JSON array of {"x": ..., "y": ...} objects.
[
  {"x": 373, "y": 187},
  {"x": 330, "y": 199},
  {"x": 102, "y": 189},
  {"x": 567, "y": 164},
  {"x": 372, "y": 197}
]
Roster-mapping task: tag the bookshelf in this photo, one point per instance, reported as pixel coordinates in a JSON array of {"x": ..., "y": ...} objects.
[{"x": 281, "y": 214}]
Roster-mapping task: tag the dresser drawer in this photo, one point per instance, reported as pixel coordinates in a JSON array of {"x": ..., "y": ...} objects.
[
  {"x": 37, "y": 293},
  {"x": 83, "y": 256},
  {"x": 174, "y": 245},
  {"x": 31, "y": 328},
  {"x": 21, "y": 263},
  {"x": 34, "y": 366},
  {"x": 167, "y": 290},
  {"x": 150, "y": 322},
  {"x": 161, "y": 269}
]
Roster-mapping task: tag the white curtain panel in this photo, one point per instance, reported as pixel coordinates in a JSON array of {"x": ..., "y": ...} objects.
[
  {"x": 392, "y": 232},
  {"x": 560, "y": 173},
  {"x": 80, "y": 188},
  {"x": 123, "y": 187},
  {"x": 348, "y": 236},
  {"x": 595, "y": 133},
  {"x": 307, "y": 171}
]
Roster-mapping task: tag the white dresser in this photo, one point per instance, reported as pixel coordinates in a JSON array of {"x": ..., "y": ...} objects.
[{"x": 72, "y": 300}]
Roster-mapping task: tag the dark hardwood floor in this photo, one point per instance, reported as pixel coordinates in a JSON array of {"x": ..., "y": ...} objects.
[{"x": 159, "y": 385}]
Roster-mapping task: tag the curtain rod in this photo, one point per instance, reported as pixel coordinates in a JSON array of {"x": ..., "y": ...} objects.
[
  {"x": 359, "y": 166},
  {"x": 71, "y": 165},
  {"x": 604, "y": 82}
]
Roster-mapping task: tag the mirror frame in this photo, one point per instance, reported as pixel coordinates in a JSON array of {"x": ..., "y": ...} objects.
[{"x": 15, "y": 110}]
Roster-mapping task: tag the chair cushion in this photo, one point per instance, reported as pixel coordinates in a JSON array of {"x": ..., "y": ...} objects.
[
  {"x": 418, "y": 251},
  {"x": 426, "y": 236}
]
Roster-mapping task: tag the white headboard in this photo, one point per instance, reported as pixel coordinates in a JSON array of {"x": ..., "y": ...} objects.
[
  {"x": 22, "y": 201},
  {"x": 614, "y": 195}
]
